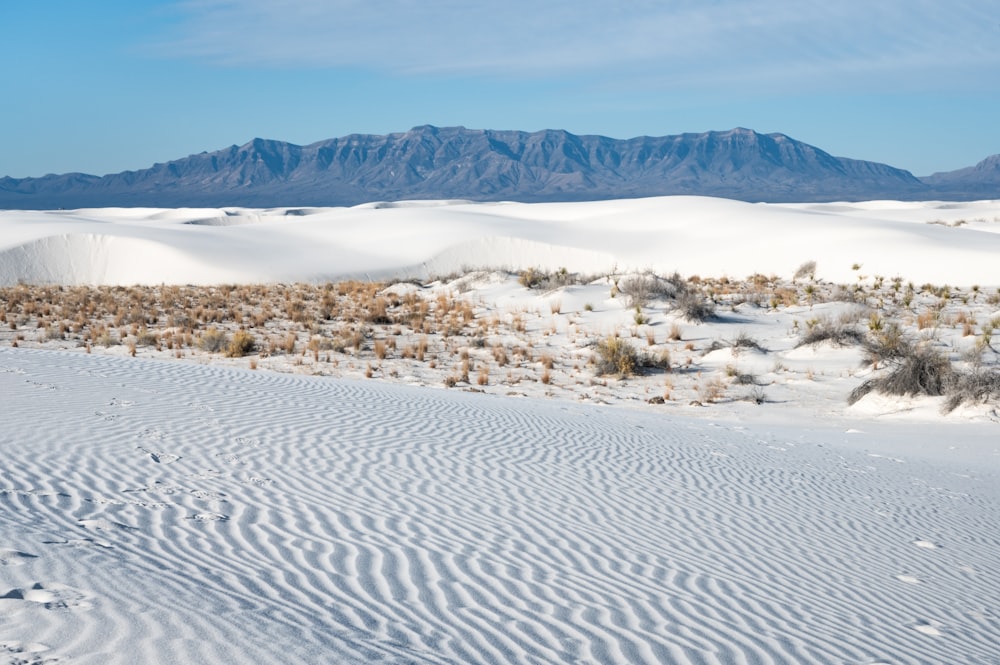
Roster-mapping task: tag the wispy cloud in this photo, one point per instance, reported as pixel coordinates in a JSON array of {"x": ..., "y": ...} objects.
[{"x": 691, "y": 42}]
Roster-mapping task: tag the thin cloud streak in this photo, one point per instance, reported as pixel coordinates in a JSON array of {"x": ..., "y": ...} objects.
[{"x": 729, "y": 42}]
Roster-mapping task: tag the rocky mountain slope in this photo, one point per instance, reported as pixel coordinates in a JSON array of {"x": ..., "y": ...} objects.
[{"x": 440, "y": 163}]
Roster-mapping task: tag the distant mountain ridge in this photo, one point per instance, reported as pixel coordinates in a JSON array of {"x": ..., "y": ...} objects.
[{"x": 429, "y": 162}]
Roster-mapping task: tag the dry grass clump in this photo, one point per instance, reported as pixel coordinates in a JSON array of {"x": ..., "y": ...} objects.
[
  {"x": 535, "y": 278},
  {"x": 914, "y": 369},
  {"x": 692, "y": 304},
  {"x": 824, "y": 329},
  {"x": 615, "y": 356},
  {"x": 213, "y": 340},
  {"x": 640, "y": 289},
  {"x": 978, "y": 386},
  {"x": 243, "y": 343}
]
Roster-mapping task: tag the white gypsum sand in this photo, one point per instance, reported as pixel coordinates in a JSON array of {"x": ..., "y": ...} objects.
[
  {"x": 159, "y": 510},
  {"x": 163, "y": 512},
  {"x": 943, "y": 243}
]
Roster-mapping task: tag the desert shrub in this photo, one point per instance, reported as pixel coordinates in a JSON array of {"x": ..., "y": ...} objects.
[
  {"x": 693, "y": 306},
  {"x": 807, "y": 269},
  {"x": 535, "y": 278},
  {"x": 146, "y": 338},
  {"x": 529, "y": 278},
  {"x": 887, "y": 344},
  {"x": 979, "y": 385},
  {"x": 640, "y": 289},
  {"x": 825, "y": 330},
  {"x": 213, "y": 340},
  {"x": 242, "y": 343},
  {"x": 659, "y": 360},
  {"x": 755, "y": 395},
  {"x": 743, "y": 340},
  {"x": 917, "y": 370},
  {"x": 616, "y": 356}
]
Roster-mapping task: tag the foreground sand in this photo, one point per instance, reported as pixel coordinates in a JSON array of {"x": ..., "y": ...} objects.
[{"x": 161, "y": 512}]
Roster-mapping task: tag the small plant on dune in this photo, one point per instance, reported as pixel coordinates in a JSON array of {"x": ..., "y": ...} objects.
[
  {"x": 659, "y": 360},
  {"x": 243, "y": 343},
  {"x": 530, "y": 278},
  {"x": 640, "y": 289},
  {"x": 711, "y": 390},
  {"x": 826, "y": 330},
  {"x": 213, "y": 340},
  {"x": 755, "y": 395},
  {"x": 977, "y": 386},
  {"x": 693, "y": 306},
  {"x": 888, "y": 344},
  {"x": 616, "y": 356},
  {"x": 914, "y": 369},
  {"x": 743, "y": 340},
  {"x": 807, "y": 269}
]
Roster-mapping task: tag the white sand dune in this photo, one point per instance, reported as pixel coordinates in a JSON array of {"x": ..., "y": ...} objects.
[
  {"x": 165, "y": 512},
  {"x": 924, "y": 242}
]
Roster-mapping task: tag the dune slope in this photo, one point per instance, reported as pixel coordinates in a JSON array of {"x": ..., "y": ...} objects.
[{"x": 953, "y": 243}]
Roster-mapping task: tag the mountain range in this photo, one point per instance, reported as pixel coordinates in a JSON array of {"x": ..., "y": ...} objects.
[{"x": 485, "y": 165}]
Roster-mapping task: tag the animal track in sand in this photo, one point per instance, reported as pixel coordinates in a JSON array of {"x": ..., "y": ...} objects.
[
  {"x": 159, "y": 456},
  {"x": 81, "y": 542},
  {"x": 158, "y": 487},
  {"x": 106, "y": 417},
  {"x": 209, "y": 517},
  {"x": 14, "y": 557},
  {"x": 101, "y": 524},
  {"x": 51, "y": 596},
  {"x": 43, "y": 386},
  {"x": 248, "y": 441},
  {"x": 121, "y": 403},
  {"x": 230, "y": 458},
  {"x": 24, "y": 653},
  {"x": 207, "y": 495}
]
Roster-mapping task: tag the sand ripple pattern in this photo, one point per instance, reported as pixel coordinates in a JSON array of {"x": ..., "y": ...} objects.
[{"x": 200, "y": 514}]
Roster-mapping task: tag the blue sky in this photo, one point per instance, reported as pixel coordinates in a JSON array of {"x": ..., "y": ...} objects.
[{"x": 110, "y": 85}]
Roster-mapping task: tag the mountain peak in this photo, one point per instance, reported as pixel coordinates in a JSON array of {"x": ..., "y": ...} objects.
[{"x": 459, "y": 163}]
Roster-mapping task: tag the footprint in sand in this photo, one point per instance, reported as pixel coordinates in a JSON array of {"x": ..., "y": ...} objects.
[
  {"x": 932, "y": 628},
  {"x": 81, "y": 542},
  {"x": 159, "y": 456},
  {"x": 24, "y": 653},
  {"x": 15, "y": 558},
  {"x": 101, "y": 524},
  {"x": 209, "y": 517},
  {"x": 208, "y": 495},
  {"x": 150, "y": 433},
  {"x": 51, "y": 596}
]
